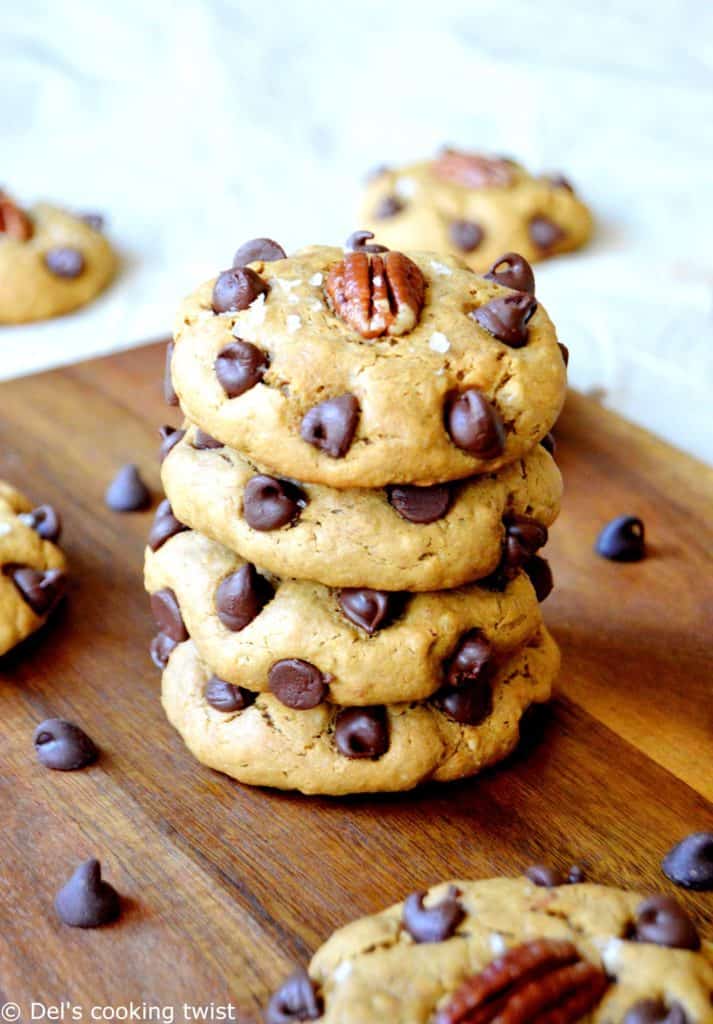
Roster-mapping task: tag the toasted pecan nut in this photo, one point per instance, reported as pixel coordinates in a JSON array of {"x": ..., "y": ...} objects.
[
  {"x": 472, "y": 169},
  {"x": 13, "y": 221},
  {"x": 377, "y": 294}
]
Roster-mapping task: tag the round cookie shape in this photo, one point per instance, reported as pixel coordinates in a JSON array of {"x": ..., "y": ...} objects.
[
  {"x": 269, "y": 744},
  {"x": 361, "y": 537},
  {"x": 383, "y": 403},
  {"x": 475, "y": 207},
  {"x": 497, "y": 928},
  {"x": 407, "y": 657},
  {"x": 32, "y": 568},
  {"x": 61, "y": 264}
]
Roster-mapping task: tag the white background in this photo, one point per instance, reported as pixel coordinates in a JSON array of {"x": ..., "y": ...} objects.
[{"x": 196, "y": 125}]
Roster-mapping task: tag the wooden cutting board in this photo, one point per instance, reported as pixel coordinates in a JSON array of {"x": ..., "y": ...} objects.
[{"x": 228, "y": 886}]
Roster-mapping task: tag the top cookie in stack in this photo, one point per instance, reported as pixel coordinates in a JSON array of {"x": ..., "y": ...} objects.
[{"x": 363, "y": 426}]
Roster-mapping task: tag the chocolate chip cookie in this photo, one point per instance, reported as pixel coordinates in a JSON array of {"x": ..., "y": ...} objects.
[
  {"x": 477, "y": 207},
  {"x": 32, "y": 568},
  {"x": 505, "y": 949}
]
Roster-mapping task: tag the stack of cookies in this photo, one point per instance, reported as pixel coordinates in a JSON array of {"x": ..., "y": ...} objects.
[{"x": 345, "y": 574}]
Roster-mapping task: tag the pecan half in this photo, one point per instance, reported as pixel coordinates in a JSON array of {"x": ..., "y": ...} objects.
[
  {"x": 540, "y": 982},
  {"x": 377, "y": 294},
  {"x": 472, "y": 169},
  {"x": 13, "y": 221}
]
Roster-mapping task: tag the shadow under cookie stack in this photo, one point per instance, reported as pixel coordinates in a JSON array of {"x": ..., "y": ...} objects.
[{"x": 345, "y": 574}]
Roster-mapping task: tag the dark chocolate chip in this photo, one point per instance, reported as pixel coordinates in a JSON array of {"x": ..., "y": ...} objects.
[
  {"x": 690, "y": 862},
  {"x": 86, "y": 901},
  {"x": 549, "y": 443},
  {"x": 663, "y": 921},
  {"x": 241, "y": 596},
  {"x": 387, "y": 207},
  {"x": 269, "y": 503},
  {"x": 45, "y": 521},
  {"x": 331, "y": 425},
  {"x": 544, "y": 876},
  {"x": 575, "y": 875},
  {"x": 236, "y": 289},
  {"x": 362, "y": 732},
  {"x": 467, "y": 705},
  {"x": 471, "y": 660},
  {"x": 420, "y": 504},
  {"x": 513, "y": 271},
  {"x": 93, "y": 220},
  {"x": 167, "y": 613},
  {"x": 164, "y": 526},
  {"x": 465, "y": 235},
  {"x": 524, "y": 537},
  {"x": 161, "y": 648},
  {"x": 544, "y": 233},
  {"x": 63, "y": 746},
  {"x": 435, "y": 923},
  {"x": 357, "y": 242},
  {"x": 240, "y": 366},
  {"x": 475, "y": 425},
  {"x": 258, "y": 249},
  {"x": 170, "y": 436},
  {"x": 201, "y": 440},
  {"x": 169, "y": 392},
  {"x": 297, "y": 999},
  {"x": 41, "y": 590},
  {"x": 298, "y": 684},
  {"x": 540, "y": 574},
  {"x": 622, "y": 540},
  {"x": 227, "y": 697},
  {"x": 369, "y": 609},
  {"x": 655, "y": 1011},
  {"x": 127, "y": 492},
  {"x": 65, "y": 262},
  {"x": 507, "y": 317},
  {"x": 565, "y": 353}
]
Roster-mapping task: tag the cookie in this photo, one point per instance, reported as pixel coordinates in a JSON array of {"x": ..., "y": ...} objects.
[
  {"x": 365, "y": 369},
  {"x": 32, "y": 568},
  {"x": 374, "y": 648},
  {"x": 472, "y": 951},
  {"x": 332, "y": 750},
  {"x": 51, "y": 262},
  {"x": 476, "y": 207}
]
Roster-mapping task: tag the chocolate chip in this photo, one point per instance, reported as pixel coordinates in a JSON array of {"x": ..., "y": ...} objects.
[
  {"x": 236, "y": 289},
  {"x": 169, "y": 392},
  {"x": 298, "y": 684},
  {"x": 465, "y": 235},
  {"x": 507, "y": 317},
  {"x": 565, "y": 353},
  {"x": 331, "y": 425},
  {"x": 690, "y": 862},
  {"x": 258, "y": 249},
  {"x": 226, "y": 697},
  {"x": 62, "y": 746},
  {"x": 86, "y": 901},
  {"x": 524, "y": 536},
  {"x": 575, "y": 875},
  {"x": 661, "y": 920},
  {"x": 241, "y": 596},
  {"x": 387, "y": 207},
  {"x": 540, "y": 574},
  {"x": 362, "y": 732},
  {"x": 269, "y": 503},
  {"x": 435, "y": 923},
  {"x": 549, "y": 443},
  {"x": 161, "y": 649},
  {"x": 471, "y": 660},
  {"x": 164, "y": 526},
  {"x": 167, "y": 613},
  {"x": 544, "y": 876},
  {"x": 369, "y": 609},
  {"x": 40, "y": 590},
  {"x": 544, "y": 233},
  {"x": 65, "y": 262},
  {"x": 655, "y": 1011},
  {"x": 622, "y": 540},
  {"x": 468, "y": 705},
  {"x": 170, "y": 436},
  {"x": 201, "y": 440},
  {"x": 297, "y": 999},
  {"x": 357, "y": 242},
  {"x": 240, "y": 366},
  {"x": 93, "y": 220},
  {"x": 513, "y": 271},
  {"x": 475, "y": 425},
  {"x": 420, "y": 504},
  {"x": 45, "y": 521},
  {"x": 127, "y": 492}
]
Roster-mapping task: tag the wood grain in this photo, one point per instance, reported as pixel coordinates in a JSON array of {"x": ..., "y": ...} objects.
[{"x": 227, "y": 886}]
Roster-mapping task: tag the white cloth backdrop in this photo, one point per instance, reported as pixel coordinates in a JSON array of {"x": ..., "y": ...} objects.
[{"x": 195, "y": 125}]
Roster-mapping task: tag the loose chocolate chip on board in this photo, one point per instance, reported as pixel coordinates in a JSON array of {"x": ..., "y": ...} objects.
[
  {"x": 507, "y": 317},
  {"x": 331, "y": 425},
  {"x": 269, "y": 503},
  {"x": 387, "y": 207},
  {"x": 465, "y": 235},
  {"x": 513, "y": 271},
  {"x": 161, "y": 649},
  {"x": 362, "y": 732},
  {"x": 690, "y": 862},
  {"x": 170, "y": 436},
  {"x": 544, "y": 876},
  {"x": 86, "y": 901},
  {"x": 227, "y": 697},
  {"x": 475, "y": 425},
  {"x": 258, "y": 249},
  {"x": 435, "y": 923},
  {"x": 297, "y": 999},
  {"x": 167, "y": 613},
  {"x": 65, "y": 262},
  {"x": 240, "y": 366},
  {"x": 622, "y": 540},
  {"x": 369, "y": 609},
  {"x": 420, "y": 504},
  {"x": 469, "y": 704},
  {"x": 236, "y": 289},
  {"x": 655, "y": 1011},
  {"x": 544, "y": 233},
  {"x": 358, "y": 241},
  {"x": 40, "y": 590},
  {"x": 661, "y": 920},
  {"x": 63, "y": 746},
  {"x": 297, "y": 684},
  {"x": 127, "y": 492},
  {"x": 201, "y": 440},
  {"x": 165, "y": 526},
  {"x": 169, "y": 392},
  {"x": 471, "y": 660},
  {"x": 241, "y": 596},
  {"x": 45, "y": 521}
]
